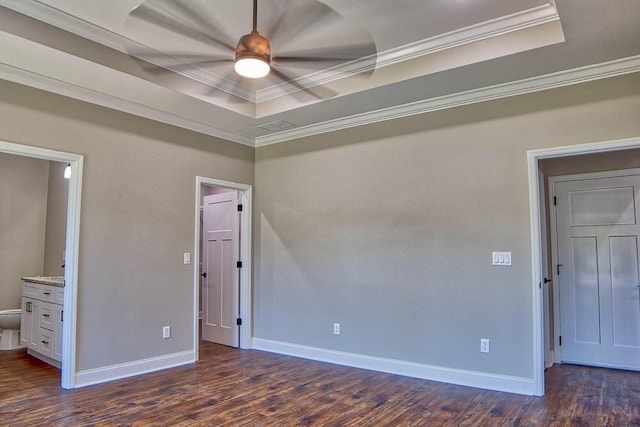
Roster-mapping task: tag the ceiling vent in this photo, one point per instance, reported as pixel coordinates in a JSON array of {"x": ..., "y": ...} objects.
[{"x": 276, "y": 126}]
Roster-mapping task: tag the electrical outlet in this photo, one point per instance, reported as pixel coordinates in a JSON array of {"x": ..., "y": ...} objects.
[
  {"x": 336, "y": 329},
  {"x": 484, "y": 345},
  {"x": 166, "y": 332}
]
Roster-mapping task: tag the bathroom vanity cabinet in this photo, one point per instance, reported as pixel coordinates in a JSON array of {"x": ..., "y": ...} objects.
[{"x": 42, "y": 317}]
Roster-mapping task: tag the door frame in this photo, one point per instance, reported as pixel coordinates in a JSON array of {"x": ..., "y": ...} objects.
[
  {"x": 554, "y": 235},
  {"x": 533, "y": 156},
  {"x": 74, "y": 196},
  {"x": 246, "y": 293}
]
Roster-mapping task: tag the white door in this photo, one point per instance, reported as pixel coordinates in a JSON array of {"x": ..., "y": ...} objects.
[
  {"x": 597, "y": 238},
  {"x": 546, "y": 281},
  {"x": 220, "y": 289}
]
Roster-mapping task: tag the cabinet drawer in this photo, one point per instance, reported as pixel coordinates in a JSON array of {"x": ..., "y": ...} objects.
[
  {"x": 31, "y": 290},
  {"x": 47, "y": 316},
  {"x": 45, "y": 342},
  {"x": 43, "y": 292},
  {"x": 59, "y": 295}
]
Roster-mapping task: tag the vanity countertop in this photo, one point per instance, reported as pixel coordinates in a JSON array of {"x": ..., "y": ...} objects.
[{"x": 45, "y": 280}]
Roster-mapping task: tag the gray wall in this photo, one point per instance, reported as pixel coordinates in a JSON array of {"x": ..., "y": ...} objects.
[
  {"x": 137, "y": 217},
  {"x": 389, "y": 228},
  {"x": 57, "y": 202},
  {"x": 23, "y": 210}
]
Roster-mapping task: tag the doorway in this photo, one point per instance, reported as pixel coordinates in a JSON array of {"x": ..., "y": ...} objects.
[
  {"x": 538, "y": 234},
  {"x": 222, "y": 263},
  {"x": 72, "y": 239}
]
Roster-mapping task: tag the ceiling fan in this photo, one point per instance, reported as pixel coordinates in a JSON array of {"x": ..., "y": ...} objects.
[{"x": 300, "y": 38}]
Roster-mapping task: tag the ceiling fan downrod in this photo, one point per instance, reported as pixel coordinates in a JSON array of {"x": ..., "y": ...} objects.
[{"x": 253, "y": 52}]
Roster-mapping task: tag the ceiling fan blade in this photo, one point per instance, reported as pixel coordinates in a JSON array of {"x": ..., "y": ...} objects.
[
  {"x": 275, "y": 27},
  {"x": 167, "y": 68},
  {"x": 304, "y": 16},
  {"x": 330, "y": 54},
  {"x": 148, "y": 14},
  {"x": 206, "y": 23},
  {"x": 317, "y": 92}
]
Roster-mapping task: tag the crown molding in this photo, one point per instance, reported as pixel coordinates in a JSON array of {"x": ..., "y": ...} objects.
[
  {"x": 58, "y": 18},
  {"x": 493, "y": 28},
  {"x": 49, "y": 84},
  {"x": 549, "y": 81},
  {"x": 539, "y": 15}
]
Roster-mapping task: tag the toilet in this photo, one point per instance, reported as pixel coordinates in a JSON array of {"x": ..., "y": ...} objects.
[{"x": 10, "y": 329}]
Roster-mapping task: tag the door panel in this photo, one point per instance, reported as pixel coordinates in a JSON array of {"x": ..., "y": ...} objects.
[
  {"x": 220, "y": 292},
  {"x": 586, "y": 292},
  {"x": 597, "y": 237},
  {"x": 624, "y": 275}
]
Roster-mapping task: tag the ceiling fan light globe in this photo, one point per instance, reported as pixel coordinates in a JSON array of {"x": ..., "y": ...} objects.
[{"x": 252, "y": 68}]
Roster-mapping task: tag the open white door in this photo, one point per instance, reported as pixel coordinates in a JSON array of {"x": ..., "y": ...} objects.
[
  {"x": 546, "y": 277},
  {"x": 220, "y": 254},
  {"x": 599, "y": 282}
]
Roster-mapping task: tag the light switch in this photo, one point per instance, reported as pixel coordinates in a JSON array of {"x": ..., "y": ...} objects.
[
  {"x": 187, "y": 258},
  {"x": 501, "y": 258}
]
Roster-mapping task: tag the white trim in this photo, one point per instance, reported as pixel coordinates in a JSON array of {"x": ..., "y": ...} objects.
[
  {"x": 72, "y": 254},
  {"x": 533, "y": 156},
  {"x": 246, "y": 293},
  {"x": 130, "y": 369},
  {"x": 520, "y": 87},
  {"x": 463, "y": 377}
]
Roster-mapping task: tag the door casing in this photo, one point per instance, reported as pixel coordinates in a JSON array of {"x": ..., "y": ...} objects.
[
  {"x": 244, "y": 198},
  {"x": 68, "y": 364},
  {"x": 533, "y": 156}
]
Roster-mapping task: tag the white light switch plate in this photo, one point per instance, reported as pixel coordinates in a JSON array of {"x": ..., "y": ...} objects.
[
  {"x": 501, "y": 258},
  {"x": 187, "y": 258}
]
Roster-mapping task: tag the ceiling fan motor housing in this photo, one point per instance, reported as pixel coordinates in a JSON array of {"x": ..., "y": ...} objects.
[{"x": 253, "y": 45}]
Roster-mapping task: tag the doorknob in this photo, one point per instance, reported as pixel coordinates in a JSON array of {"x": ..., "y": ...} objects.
[
  {"x": 204, "y": 274},
  {"x": 546, "y": 280}
]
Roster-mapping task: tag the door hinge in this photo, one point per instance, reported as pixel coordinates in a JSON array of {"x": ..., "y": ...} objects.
[
  {"x": 62, "y": 315},
  {"x": 560, "y": 340},
  {"x": 239, "y": 264},
  {"x": 239, "y": 321},
  {"x": 239, "y": 207},
  {"x": 555, "y": 201},
  {"x": 558, "y": 268}
]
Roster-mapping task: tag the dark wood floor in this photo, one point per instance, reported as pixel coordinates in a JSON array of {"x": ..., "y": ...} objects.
[{"x": 236, "y": 387}]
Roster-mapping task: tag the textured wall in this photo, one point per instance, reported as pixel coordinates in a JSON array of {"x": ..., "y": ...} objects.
[
  {"x": 137, "y": 217},
  {"x": 389, "y": 228},
  {"x": 23, "y": 210}
]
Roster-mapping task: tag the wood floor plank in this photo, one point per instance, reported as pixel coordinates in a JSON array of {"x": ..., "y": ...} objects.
[{"x": 230, "y": 387}]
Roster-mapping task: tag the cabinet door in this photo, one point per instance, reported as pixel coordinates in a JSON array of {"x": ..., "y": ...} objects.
[
  {"x": 34, "y": 336},
  {"x": 57, "y": 332},
  {"x": 26, "y": 322}
]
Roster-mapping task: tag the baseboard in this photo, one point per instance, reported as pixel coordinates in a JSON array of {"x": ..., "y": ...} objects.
[
  {"x": 463, "y": 377},
  {"x": 130, "y": 369}
]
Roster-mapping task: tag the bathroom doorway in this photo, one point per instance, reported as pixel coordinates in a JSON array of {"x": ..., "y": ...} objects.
[{"x": 67, "y": 241}]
